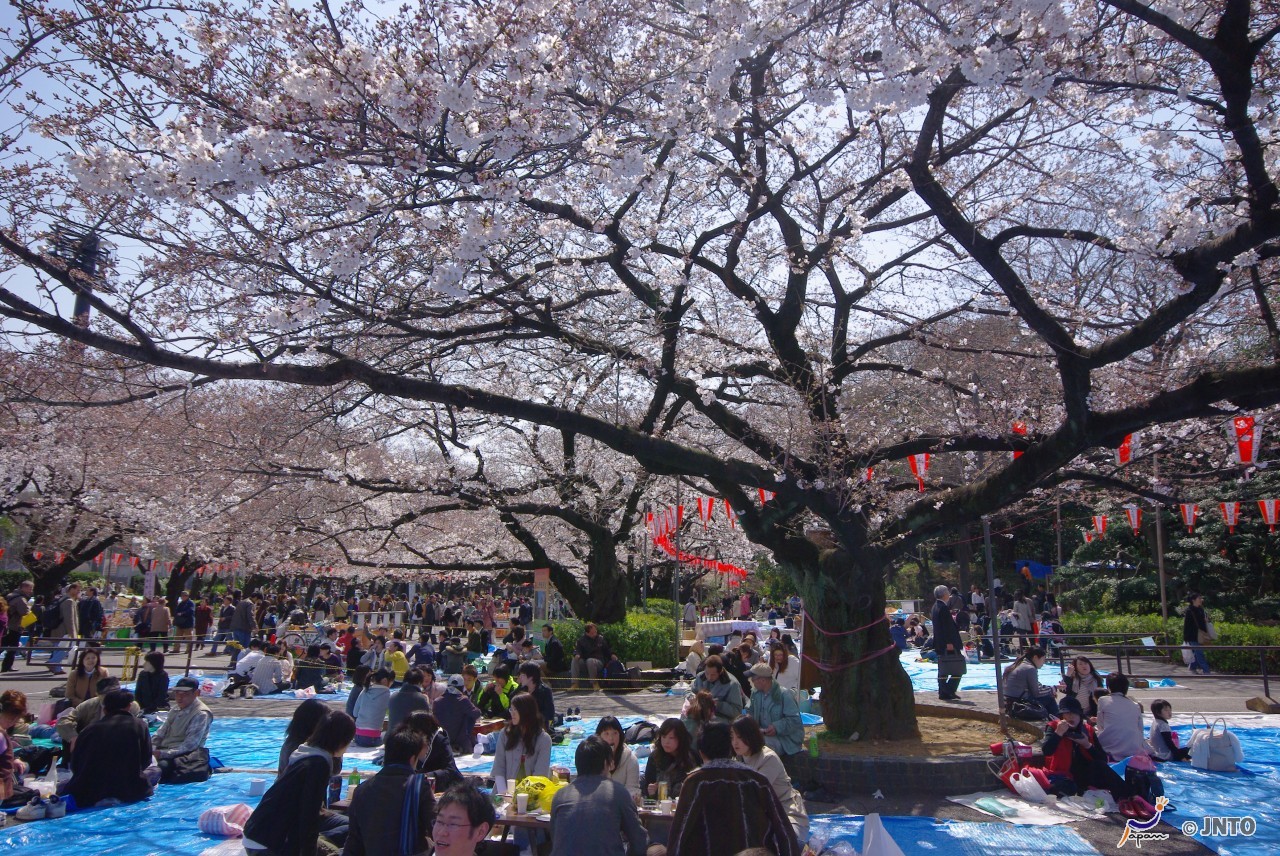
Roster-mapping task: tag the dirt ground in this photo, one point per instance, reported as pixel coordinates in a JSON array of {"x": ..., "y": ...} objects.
[{"x": 939, "y": 736}]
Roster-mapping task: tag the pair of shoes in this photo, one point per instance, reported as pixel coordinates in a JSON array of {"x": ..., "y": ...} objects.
[
  {"x": 34, "y": 810},
  {"x": 55, "y": 806}
]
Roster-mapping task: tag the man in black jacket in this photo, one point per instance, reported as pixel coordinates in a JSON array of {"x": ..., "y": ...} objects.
[
  {"x": 553, "y": 652},
  {"x": 590, "y": 655},
  {"x": 457, "y": 714},
  {"x": 377, "y": 810},
  {"x": 111, "y": 755},
  {"x": 407, "y": 700},
  {"x": 19, "y": 606},
  {"x": 948, "y": 645},
  {"x": 91, "y": 615}
]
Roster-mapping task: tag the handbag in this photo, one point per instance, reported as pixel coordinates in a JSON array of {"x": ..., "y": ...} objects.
[
  {"x": 1216, "y": 751},
  {"x": 1027, "y": 709},
  {"x": 952, "y": 665},
  {"x": 184, "y": 769}
]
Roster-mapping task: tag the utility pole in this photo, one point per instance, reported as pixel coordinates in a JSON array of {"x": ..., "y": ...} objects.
[
  {"x": 1164, "y": 594},
  {"x": 675, "y": 570},
  {"x": 993, "y": 614},
  {"x": 81, "y": 251}
]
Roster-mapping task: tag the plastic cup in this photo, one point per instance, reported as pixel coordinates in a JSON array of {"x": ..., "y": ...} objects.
[
  {"x": 667, "y": 806},
  {"x": 522, "y": 803},
  {"x": 257, "y": 787}
]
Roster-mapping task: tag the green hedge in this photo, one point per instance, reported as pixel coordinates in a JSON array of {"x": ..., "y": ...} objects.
[
  {"x": 1230, "y": 662},
  {"x": 659, "y": 606},
  {"x": 639, "y": 637}
]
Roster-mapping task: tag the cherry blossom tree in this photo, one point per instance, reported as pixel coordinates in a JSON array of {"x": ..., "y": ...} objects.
[{"x": 739, "y": 211}]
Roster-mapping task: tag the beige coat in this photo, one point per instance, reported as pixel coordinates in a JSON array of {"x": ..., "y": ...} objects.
[{"x": 160, "y": 622}]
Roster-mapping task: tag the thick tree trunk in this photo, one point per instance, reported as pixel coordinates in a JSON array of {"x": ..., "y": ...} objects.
[{"x": 865, "y": 690}]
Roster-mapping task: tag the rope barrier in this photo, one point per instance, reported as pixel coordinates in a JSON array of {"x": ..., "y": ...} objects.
[
  {"x": 809, "y": 618},
  {"x": 829, "y": 668}
]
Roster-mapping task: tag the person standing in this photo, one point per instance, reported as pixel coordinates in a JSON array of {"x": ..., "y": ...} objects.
[
  {"x": 160, "y": 620},
  {"x": 1195, "y": 632},
  {"x": 948, "y": 645},
  {"x": 690, "y": 614},
  {"x": 225, "y": 613},
  {"x": 91, "y": 615},
  {"x": 243, "y": 622},
  {"x": 68, "y": 627},
  {"x": 184, "y": 618},
  {"x": 204, "y": 620},
  {"x": 19, "y": 608}
]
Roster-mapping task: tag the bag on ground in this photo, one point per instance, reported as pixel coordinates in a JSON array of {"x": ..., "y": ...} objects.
[
  {"x": 228, "y": 820},
  {"x": 1214, "y": 749}
]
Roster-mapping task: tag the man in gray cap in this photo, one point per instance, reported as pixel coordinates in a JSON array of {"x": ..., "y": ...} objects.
[
  {"x": 777, "y": 711},
  {"x": 457, "y": 714},
  {"x": 187, "y": 727}
]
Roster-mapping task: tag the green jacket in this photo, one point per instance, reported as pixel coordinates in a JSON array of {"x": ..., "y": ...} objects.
[{"x": 778, "y": 708}]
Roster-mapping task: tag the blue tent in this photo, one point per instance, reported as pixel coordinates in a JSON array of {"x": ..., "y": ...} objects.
[{"x": 1038, "y": 569}]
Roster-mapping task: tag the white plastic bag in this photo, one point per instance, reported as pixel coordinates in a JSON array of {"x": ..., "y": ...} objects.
[
  {"x": 1188, "y": 656},
  {"x": 1027, "y": 787}
]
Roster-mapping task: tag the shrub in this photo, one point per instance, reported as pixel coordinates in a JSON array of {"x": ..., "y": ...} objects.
[
  {"x": 659, "y": 606},
  {"x": 1136, "y": 626},
  {"x": 640, "y": 636}
]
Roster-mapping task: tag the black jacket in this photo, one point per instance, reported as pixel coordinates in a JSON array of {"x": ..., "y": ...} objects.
[
  {"x": 546, "y": 705},
  {"x": 288, "y": 818},
  {"x": 109, "y": 759},
  {"x": 377, "y": 811},
  {"x": 457, "y": 715},
  {"x": 555, "y": 659},
  {"x": 1193, "y": 622},
  {"x": 90, "y": 609},
  {"x": 152, "y": 691},
  {"x": 945, "y": 631}
]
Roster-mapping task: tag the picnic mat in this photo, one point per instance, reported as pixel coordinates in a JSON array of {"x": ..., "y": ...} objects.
[
  {"x": 212, "y": 684},
  {"x": 924, "y": 836},
  {"x": 1253, "y": 792},
  {"x": 162, "y": 825}
]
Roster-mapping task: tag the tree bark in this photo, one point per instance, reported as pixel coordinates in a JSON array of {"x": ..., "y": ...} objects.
[{"x": 865, "y": 690}]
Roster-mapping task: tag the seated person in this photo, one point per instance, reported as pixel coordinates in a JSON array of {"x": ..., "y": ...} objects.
[
  {"x": 898, "y": 632},
  {"x": 593, "y": 814},
  {"x": 438, "y": 760},
  {"x": 1022, "y": 682},
  {"x": 112, "y": 755},
  {"x": 476, "y": 646},
  {"x": 397, "y": 662},
  {"x": 463, "y": 819},
  {"x": 332, "y": 660},
  {"x": 452, "y": 659},
  {"x": 371, "y": 708},
  {"x": 185, "y": 729},
  {"x": 723, "y": 687},
  {"x": 457, "y": 714},
  {"x": 151, "y": 691},
  {"x": 1163, "y": 741},
  {"x": 84, "y": 677},
  {"x": 268, "y": 674},
  {"x": 288, "y": 820},
  {"x": 13, "y": 711},
  {"x": 74, "y": 720},
  {"x": 723, "y": 788},
  {"x": 242, "y": 673},
  {"x": 1073, "y": 760},
  {"x": 423, "y": 654},
  {"x": 749, "y": 745},
  {"x": 310, "y": 671},
  {"x": 377, "y": 822},
  {"x": 495, "y": 699},
  {"x": 409, "y": 698}
]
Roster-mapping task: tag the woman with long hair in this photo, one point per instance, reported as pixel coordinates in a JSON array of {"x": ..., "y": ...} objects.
[
  {"x": 624, "y": 768},
  {"x": 671, "y": 760},
  {"x": 306, "y": 717},
  {"x": 1022, "y": 683},
  {"x": 359, "y": 680},
  {"x": 1081, "y": 682},
  {"x": 151, "y": 692},
  {"x": 524, "y": 748},
  {"x": 786, "y": 670}
]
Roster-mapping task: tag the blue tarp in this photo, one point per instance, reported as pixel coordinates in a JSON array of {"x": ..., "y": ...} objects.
[
  {"x": 1039, "y": 570},
  {"x": 1197, "y": 794},
  {"x": 162, "y": 825},
  {"x": 924, "y": 836},
  {"x": 980, "y": 676}
]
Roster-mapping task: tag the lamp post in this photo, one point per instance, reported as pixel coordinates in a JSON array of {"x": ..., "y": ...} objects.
[{"x": 81, "y": 251}]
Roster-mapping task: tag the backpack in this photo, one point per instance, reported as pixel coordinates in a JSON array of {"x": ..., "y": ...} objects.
[
  {"x": 641, "y": 732},
  {"x": 52, "y": 615}
]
